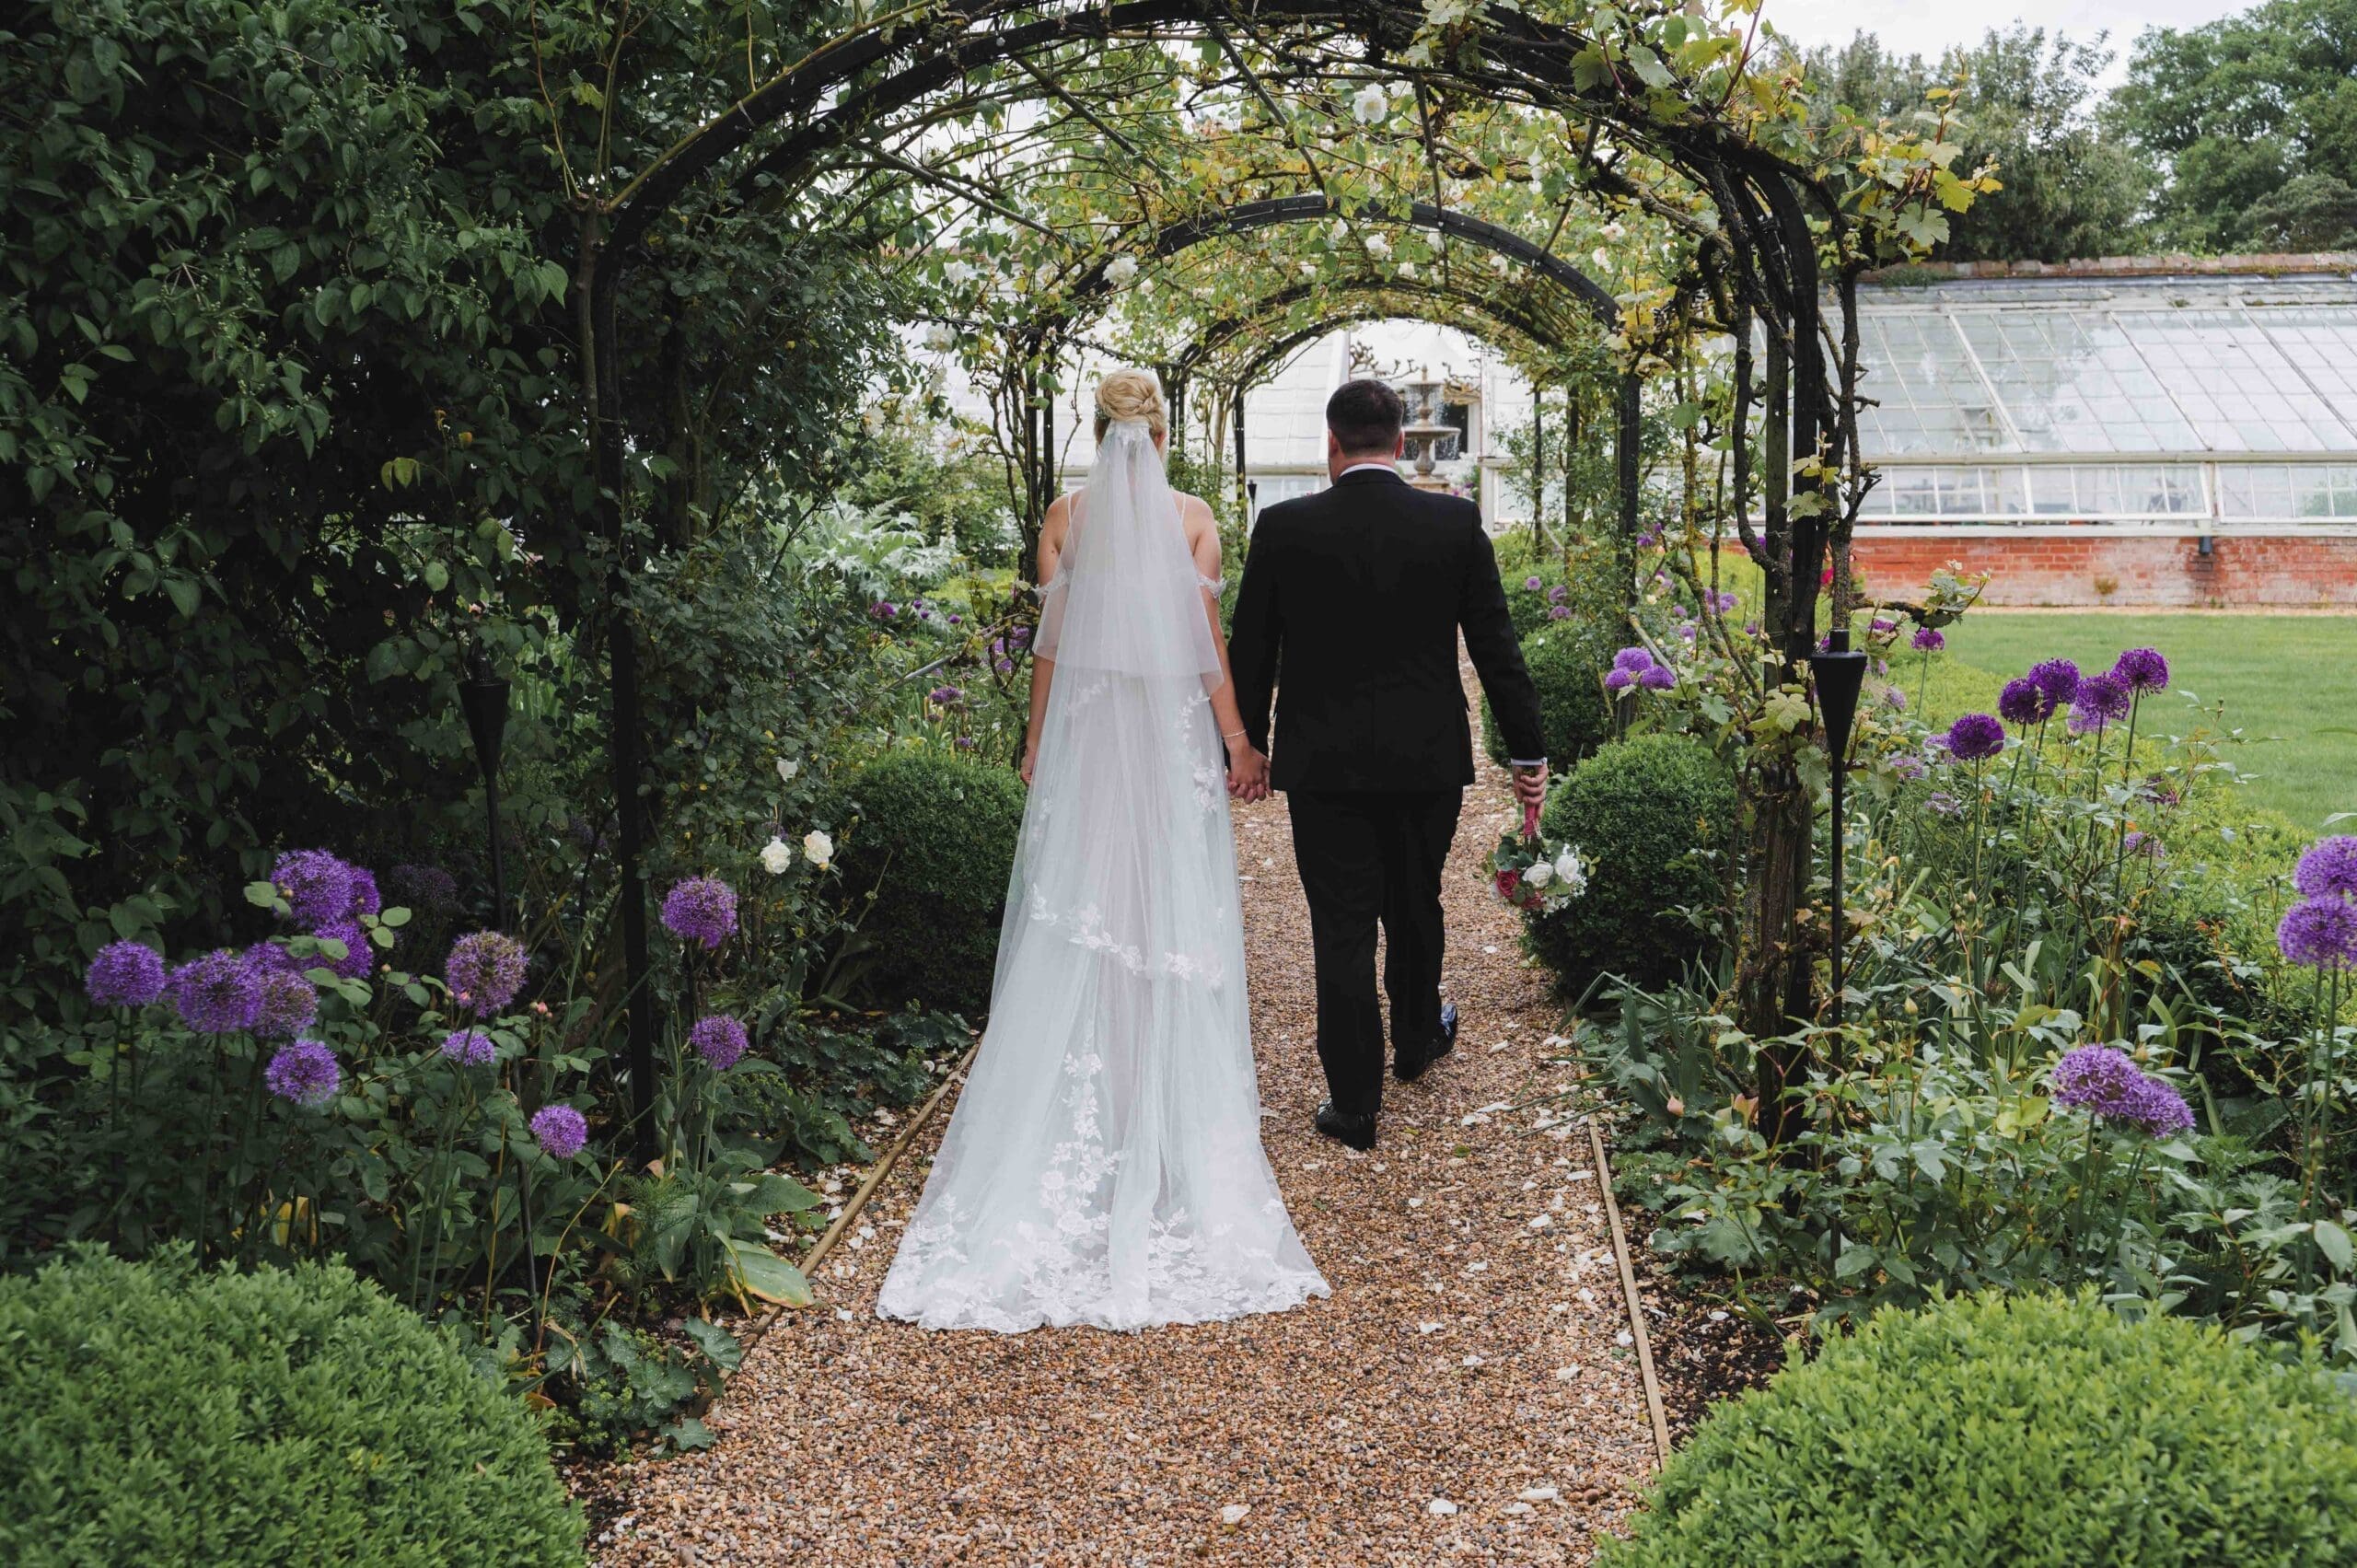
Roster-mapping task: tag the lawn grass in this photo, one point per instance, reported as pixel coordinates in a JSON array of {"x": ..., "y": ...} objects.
[{"x": 2288, "y": 683}]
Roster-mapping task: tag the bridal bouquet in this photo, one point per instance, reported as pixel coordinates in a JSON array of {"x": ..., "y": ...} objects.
[{"x": 1535, "y": 877}]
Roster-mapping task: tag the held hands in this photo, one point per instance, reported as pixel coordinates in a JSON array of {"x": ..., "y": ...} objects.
[{"x": 1247, "y": 773}]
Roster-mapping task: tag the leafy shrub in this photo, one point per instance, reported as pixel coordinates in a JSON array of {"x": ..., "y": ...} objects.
[
  {"x": 2026, "y": 1430},
  {"x": 933, "y": 841},
  {"x": 1567, "y": 661},
  {"x": 165, "y": 1415},
  {"x": 1654, "y": 817}
]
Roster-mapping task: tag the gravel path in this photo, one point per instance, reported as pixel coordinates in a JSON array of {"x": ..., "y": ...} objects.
[{"x": 1468, "y": 1392}]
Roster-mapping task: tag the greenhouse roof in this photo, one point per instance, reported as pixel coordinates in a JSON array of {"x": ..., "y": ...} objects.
[
  {"x": 2115, "y": 391},
  {"x": 2197, "y": 367}
]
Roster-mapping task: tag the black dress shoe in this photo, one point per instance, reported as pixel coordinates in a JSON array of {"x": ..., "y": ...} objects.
[
  {"x": 1408, "y": 1068},
  {"x": 1358, "y": 1131}
]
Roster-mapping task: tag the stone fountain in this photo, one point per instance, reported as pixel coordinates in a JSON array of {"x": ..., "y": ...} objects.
[{"x": 1425, "y": 429}]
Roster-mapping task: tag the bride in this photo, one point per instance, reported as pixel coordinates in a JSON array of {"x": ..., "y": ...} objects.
[{"x": 1103, "y": 1164}]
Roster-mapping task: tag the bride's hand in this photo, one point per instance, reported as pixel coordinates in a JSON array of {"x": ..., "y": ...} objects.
[
  {"x": 1247, "y": 774},
  {"x": 1030, "y": 761}
]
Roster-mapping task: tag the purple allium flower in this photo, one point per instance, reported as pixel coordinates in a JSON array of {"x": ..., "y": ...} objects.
[
  {"x": 484, "y": 971},
  {"x": 1558, "y": 594},
  {"x": 288, "y": 1004},
  {"x": 1533, "y": 584},
  {"x": 719, "y": 1039},
  {"x": 1678, "y": 613},
  {"x": 2059, "y": 678},
  {"x": 1894, "y": 699},
  {"x": 2328, "y": 867},
  {"x": 1726, "y": 601},
  {"x": 883, "y": 609},
  {"x": 1975, "y": 737},
  {"x": 1880, "y": 624},
  {"x": 1689, "y": 630},
  {"x": 2023, "y": 701},
  {"x": 1559, "y": 612},
  {"x": 1617, "y": 679},
  {"x": 998, "y": 645},
  {"x": 1658, "y": 677},
  {"x": 2156, "y": 1106},
  {"x": 2142, "y": 670},
  {"x": 957, "y": 620},
  {"x": 303, "y": 1071},
  {"x": 468, "y": 1047},
  {"x": 943, "y": 696},
  {"x": 1945, "y": 804},
  {"x": 217, "y": 993},
  {"x": 366, "y": 900},
  {"x": 701, "y": 909},
  {"x": 2320, "y": 932},
  {"x": 1022, "y": 636},
  {"x": 1633, "y": 660},
  {"x": 2099, "y": 701},
  {"x": 125, "y": 974},
  {"x": 1907, "y": 767},
  {"x": 1929, "y": 639},
  {"x": 560, "y": 1131},
  {"x": 316, "y": 884},
  {"x": 425, "y": 888},
  {"x": 2137, "y": 842},
  {"x": 1004, "y": 667},
  {"x": 2098, "y": 1079},
  {"x": 965, "y": 743},
  {"x": 356, "y": 957}
]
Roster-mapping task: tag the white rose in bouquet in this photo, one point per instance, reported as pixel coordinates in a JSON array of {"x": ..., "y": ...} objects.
[
  {"x": 1570, "y": 872},
  {"x": 818, "y": 849},
  {"x": 776, "y": 855},
  {"x": 1539, "y": 875}
]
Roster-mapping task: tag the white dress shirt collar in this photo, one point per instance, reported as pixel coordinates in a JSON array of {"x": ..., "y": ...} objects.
[{"x": 1386, "y": 464}]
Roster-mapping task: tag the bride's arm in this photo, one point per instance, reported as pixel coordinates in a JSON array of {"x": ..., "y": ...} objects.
[
  {"x": 1043, "y": 670},
  {"x": 1247, "y": 770}
]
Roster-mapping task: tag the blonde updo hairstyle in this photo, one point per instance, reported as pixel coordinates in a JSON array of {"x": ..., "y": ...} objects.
[{"x": 1131, "y": 394}]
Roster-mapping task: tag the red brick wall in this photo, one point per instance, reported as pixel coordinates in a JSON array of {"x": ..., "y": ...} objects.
[{"x": 2146, "y": 569}]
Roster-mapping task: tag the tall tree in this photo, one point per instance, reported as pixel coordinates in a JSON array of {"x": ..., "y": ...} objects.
[
  {"x": 2027, "y": 100},
  {"x": 2255, "y": 117}
]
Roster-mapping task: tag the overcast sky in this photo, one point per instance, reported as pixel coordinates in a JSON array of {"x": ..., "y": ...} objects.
[{"x": 1920, "y": 27}]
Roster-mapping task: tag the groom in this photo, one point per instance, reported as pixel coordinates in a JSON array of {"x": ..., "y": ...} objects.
[{"x": 1358, "y": 592}]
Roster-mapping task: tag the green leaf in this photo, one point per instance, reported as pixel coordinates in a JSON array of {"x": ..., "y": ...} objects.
[
  {"x": 717, "y": 1344},
  {"x": 437, "y": 576},
  {"x": 757, "y": 1270},
  {"x": 262, "y": 895},
  {"x": 688, "y": 1434},
  {"x": 186, "y": 593},
  {"x": 2335, "y": 1244}
]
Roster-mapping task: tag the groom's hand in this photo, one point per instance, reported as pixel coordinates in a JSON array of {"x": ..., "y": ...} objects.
[
  {"x": 1247, "y": 774},
  {"x": 1530, "y": 785}
]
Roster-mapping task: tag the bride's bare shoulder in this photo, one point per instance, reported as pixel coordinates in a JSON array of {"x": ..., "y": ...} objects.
[{"x": 1195, "y": 512}]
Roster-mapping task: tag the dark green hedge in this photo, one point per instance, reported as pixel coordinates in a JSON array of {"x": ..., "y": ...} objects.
[
  {"x": 161, "y": 1415},
  {"x": 2035, "y": 1431},
  {"x": 1655, "y": 818},
  {"x": 934, "y": 841},
  {"x": 1567, "y": 660}
]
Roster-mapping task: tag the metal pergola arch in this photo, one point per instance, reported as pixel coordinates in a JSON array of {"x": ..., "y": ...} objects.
[
  {"x": 1759, "y": 257},
  {"x": 1094, "y": 287}
]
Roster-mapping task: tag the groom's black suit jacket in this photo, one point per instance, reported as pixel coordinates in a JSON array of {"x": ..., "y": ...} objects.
[{"x": 1356, "y": 594}]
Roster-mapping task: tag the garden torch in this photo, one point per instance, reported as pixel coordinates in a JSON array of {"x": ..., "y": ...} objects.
[{"x": 1840, "y": 673}]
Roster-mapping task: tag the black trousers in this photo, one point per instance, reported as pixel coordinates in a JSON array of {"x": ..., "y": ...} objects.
[{"x": 1365, "y": 857}]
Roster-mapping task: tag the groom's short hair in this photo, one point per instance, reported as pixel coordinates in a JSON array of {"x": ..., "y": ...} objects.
[{"x": 1365, "y": 416}]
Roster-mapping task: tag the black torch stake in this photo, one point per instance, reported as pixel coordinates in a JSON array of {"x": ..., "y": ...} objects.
[
  {"x": 483, "y": 696},
  {"x": 1840, "y": 673}
]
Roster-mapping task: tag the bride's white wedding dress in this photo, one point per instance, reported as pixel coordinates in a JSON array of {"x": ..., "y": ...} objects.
[{"x": 1104, "y": 1164}]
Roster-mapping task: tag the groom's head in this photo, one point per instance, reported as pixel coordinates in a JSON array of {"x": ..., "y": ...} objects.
[{"x": 1363, "y": 420}]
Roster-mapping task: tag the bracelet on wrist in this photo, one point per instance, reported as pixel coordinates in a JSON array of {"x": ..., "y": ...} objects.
[{"x": 1225, "y": 735}]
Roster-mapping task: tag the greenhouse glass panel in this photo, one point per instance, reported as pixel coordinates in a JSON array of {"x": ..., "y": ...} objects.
[
  {"x": 2071, "y": 381},
  {"x": 1928, "y": 399},
  {"x": 2240, "y": 393},
  {"x": 2170, "y": 490},
  {"x": 2322, "y": 344},
  {"x": 1947, "y": 494}
]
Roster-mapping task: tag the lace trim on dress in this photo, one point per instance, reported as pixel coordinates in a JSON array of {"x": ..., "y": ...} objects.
[{"x": 1085, "y": 928}]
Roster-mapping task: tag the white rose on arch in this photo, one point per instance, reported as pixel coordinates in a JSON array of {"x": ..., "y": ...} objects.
[
  {"x": 957, "y": 273},
  {"x": 1378, "y": 247},
  {"x": 818, "y": 849},
  {"x": 939, "y": 338},
  {"x": 1120, "y": 270},
  {"x": 777, "y": 856},
  {"x": 1370, "y": 105}
]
